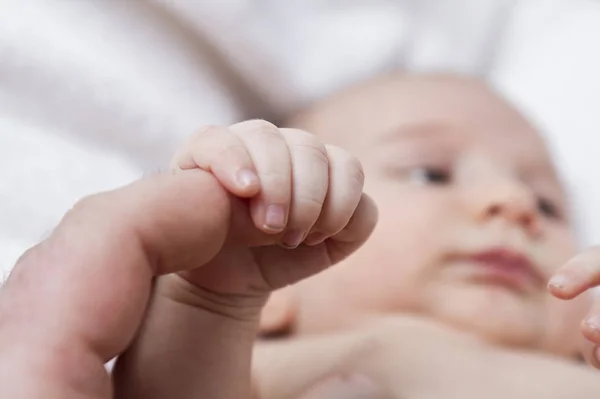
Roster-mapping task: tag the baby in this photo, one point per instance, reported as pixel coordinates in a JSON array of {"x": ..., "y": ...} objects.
[
  {"x": 473, "y": 221},
  {"x": 473, "y": 217}
]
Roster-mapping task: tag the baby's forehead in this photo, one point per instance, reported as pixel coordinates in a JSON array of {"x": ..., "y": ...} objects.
[
  {"x": 450, "y": 112},
  {"x": 397, "y": 106}
]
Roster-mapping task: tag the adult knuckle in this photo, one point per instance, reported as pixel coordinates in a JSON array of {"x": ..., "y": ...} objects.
[{"x": 96, "y": 210}]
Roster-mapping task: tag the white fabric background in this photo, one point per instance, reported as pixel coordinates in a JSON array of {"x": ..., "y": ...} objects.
[{"x": 93, "y": 93}]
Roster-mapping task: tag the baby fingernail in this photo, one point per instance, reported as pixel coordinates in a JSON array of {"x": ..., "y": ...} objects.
[
  {"x": 593, "y": 323},
  {"x": 275, "y": 218},
  {"x": 246, "y": 178},
  {"x": 559, "y": 281},
  {"x": 292, "y": 238},
  {"x": 315, "y": 238}
]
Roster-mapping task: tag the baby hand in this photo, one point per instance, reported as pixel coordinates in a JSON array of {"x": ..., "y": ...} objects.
[
  {"x": 295, "y": 207},
  {"x": 579, "y": 275},
  {"x": 301, "y": 206}
]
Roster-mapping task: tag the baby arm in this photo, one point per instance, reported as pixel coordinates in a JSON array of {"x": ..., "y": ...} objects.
[{"x": 406, "y": 357}]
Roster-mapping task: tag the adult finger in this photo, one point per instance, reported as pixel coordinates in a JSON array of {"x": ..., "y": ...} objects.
[{"x": 76, "y": 300}]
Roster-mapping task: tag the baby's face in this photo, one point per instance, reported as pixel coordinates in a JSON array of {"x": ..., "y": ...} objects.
[{"x": 473, "y": 219}]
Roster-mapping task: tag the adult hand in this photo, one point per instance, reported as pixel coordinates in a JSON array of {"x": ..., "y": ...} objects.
[{"x": 78, "y": 298}]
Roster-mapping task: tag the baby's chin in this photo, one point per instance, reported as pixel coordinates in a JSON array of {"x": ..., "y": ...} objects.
[{"x": 495, "y": 314}]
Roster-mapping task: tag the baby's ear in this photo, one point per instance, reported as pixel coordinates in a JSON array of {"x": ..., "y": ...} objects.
[{"x": 280, "y": 312}]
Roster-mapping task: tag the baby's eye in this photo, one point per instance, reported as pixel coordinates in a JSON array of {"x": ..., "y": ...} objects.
[
  {"x": 548, "y": 208},
  {"x": 430, "y": 175}
]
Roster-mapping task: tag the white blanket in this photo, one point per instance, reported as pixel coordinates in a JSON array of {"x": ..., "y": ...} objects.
[{"x": 93, "y": 93}]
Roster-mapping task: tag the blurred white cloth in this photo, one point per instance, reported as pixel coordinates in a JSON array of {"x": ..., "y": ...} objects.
[
  {"x": 549, "y": 65},
  {"x": 93, "y": 93}
]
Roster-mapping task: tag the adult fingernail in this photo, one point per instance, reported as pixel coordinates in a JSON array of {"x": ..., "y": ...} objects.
[
  {"x": 315, "y": 238},
  {"x": 275, "y": 218},
  {"x": 246, "y": 178},
  {"x": 292, "y": 239}
]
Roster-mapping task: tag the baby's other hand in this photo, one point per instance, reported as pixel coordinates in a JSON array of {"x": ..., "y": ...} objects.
[
  {"x": 576, "y": 277},
  {"x": 300, "y": 205}
]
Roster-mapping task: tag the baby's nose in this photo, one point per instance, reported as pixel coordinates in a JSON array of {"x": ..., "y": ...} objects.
[{"x": 505, "y": 197}]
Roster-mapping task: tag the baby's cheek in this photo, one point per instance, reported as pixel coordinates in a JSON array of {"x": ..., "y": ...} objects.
[
  {"x": 559, "y": 247},
  {"x": 398, "y": 259}
]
